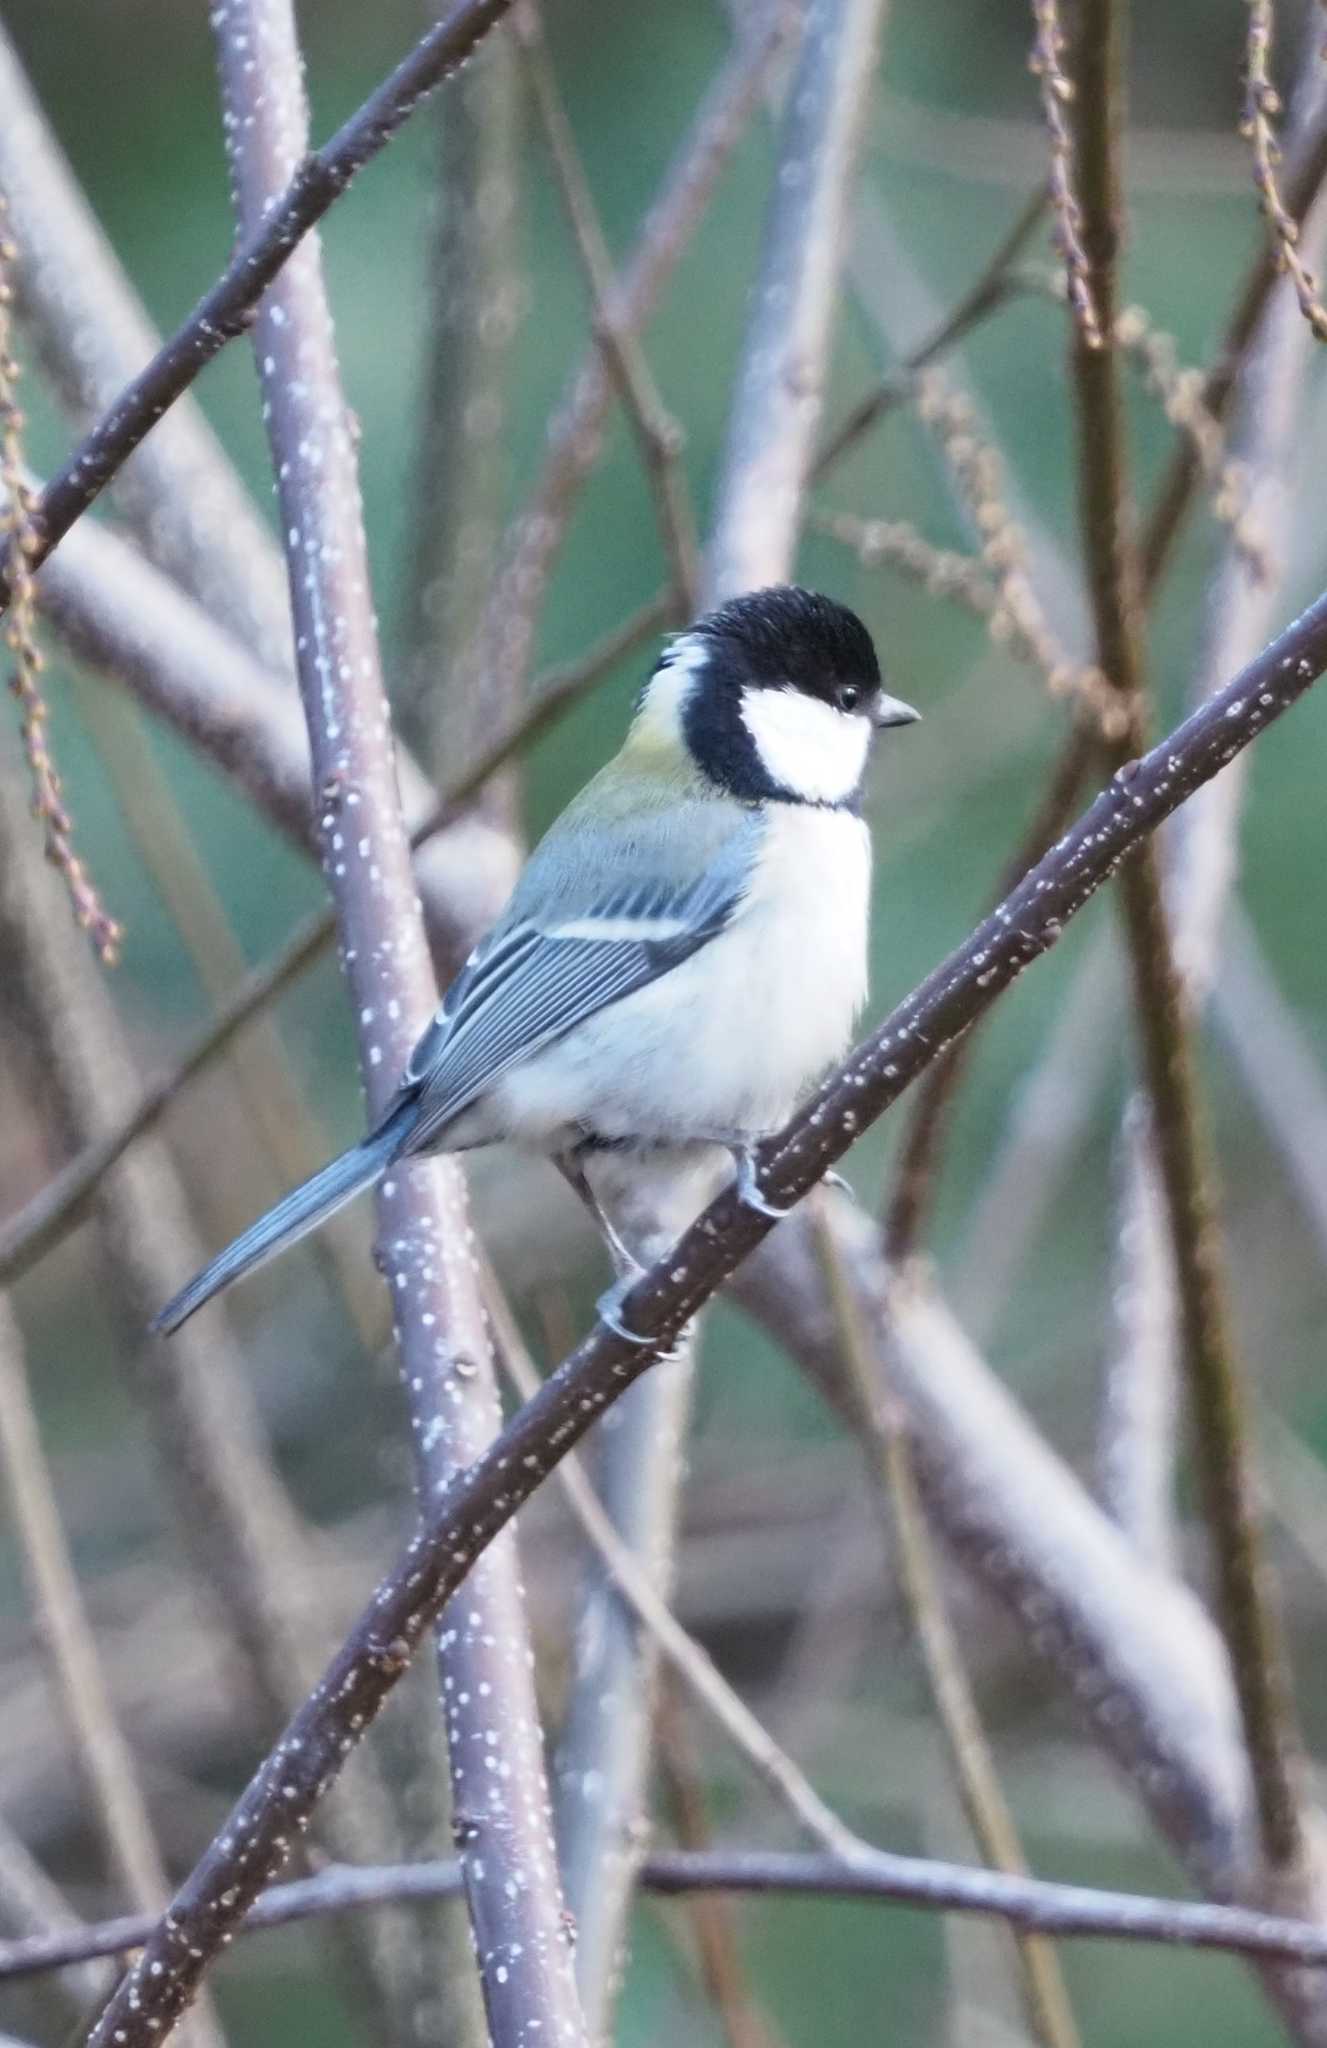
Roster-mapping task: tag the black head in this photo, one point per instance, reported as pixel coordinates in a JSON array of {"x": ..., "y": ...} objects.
[{"x": 753, "y": 663}]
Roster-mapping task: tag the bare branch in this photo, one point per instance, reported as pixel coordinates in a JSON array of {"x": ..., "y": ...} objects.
[
  {"x": 1213, "y": 1372},
  {"x": 1027, "y": 1902},
  {"x": 481, "y": 1501},
  {"x": 971, "y": 1759},
  {"x": 500, "y": 1817}
]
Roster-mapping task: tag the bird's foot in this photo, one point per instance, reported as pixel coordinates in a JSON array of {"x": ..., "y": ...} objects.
[
  {"x": 609, "y": 1307},
  {"x": 748, "y": 1185}
]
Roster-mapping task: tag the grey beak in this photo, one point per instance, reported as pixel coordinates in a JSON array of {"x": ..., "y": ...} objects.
[{"x": 892, "y": 711}]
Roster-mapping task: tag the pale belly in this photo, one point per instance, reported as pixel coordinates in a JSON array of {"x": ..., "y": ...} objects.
[{"x": 727, "y": 1043}]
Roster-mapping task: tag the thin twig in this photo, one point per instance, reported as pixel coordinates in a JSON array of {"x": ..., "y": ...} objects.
[
  {"x": 1262, "y": 104},
  {"x": 535, "y": 535},
  {"x": 283, "y": 1793},
  {"x": 500, "y": 1817},
  {"x": 1057, "y": 92},
  {"x": 1308, "y": 168},
  {"x": 1140, "y": 1419},
  {"x": 633, "y": 1582},
  {"x": 993, "y": 286},
  {"x": 657, "y": 432},
  {"x": 34, "y": 1908},
  {"x": 713, "y": 1920},
  {"x": 1173, "y": 499},
  {"x": 315, "y": 182},
  {"x": 18, "y": 551},
  {"x": 972, "y": 1761},
  {"x": 1027, "y": 1902},
  {"x": 1214, "y": 1375}
]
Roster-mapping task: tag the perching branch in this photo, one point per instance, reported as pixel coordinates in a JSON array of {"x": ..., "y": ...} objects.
[
  {"x": 500, "y": 1818},
  {"x": 480, "y": 1502}
]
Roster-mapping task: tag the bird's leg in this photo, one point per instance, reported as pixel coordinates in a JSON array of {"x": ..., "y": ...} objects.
[
  {"x": 746, "y": 1159},
  {"x": 569, "y": 1166},
  {"x": 629, "y": 1268}
]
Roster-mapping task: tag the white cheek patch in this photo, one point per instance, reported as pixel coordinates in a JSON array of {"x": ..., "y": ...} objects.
[{"x": 812, "y": 750}]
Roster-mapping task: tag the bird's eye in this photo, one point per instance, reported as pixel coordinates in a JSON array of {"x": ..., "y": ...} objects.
[{"x": 848, "y": 696}]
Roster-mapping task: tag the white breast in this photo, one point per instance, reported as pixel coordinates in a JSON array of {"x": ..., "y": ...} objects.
[{"x": 728, "y": 1042}]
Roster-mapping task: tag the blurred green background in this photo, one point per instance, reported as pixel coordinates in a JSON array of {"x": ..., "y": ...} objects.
[{"x": 955, "y": 146}]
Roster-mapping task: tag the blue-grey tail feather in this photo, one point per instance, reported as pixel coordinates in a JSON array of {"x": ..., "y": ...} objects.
[{"x": 304, "y": 1209}]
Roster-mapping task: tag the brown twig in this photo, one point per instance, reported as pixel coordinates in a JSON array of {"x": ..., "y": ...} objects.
[
  {"x": 971, "y": 1759},
  {"x": 500, "y": 1817},
  {"x": 634, "y": 1584},
  {"x": 1140, "y": 1408},
  {"x": 1214, "y": 1376},
  {"x": 535, "y": 535},
  {"x": 311, "y": 1753},
  {"x": 714, "y": 1924},
  {"x": 995, "y": 284},
  {"x": 1307, "y": 170},
  {"x": 1057, "y": 93},
  {"x": 18, "y": 551},
  {"x": 657, "y": 432},
  {"x": 1262, "y": 104}
]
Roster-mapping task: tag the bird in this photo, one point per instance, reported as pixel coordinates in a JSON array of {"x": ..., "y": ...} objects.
[{"x": 684, "y": 953}]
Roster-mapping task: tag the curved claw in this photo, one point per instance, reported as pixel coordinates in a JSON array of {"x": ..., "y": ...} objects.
[
  {"x": 609, "y": 1310},
  {"x": 748, "y": 1188},
  {"x": 834, "y": 1179}
]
